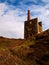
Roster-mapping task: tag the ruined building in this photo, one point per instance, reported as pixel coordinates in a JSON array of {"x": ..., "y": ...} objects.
[{"x": 31, "y": 27}]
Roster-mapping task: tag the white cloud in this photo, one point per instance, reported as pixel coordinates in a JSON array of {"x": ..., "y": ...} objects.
[
  {"x": 12, "y": 24},
  {"x": 2, "y": 7},
  {"x": 45, "y": 1}
]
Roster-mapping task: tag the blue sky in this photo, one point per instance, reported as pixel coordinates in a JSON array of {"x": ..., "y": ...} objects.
[{"x": 13, "y": 13}]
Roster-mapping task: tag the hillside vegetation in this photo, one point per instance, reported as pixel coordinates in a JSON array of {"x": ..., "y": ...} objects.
[{"x": 25, "y": 52}]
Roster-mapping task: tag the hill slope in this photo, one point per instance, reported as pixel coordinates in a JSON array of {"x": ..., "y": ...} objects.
[{"x": 25, "y": 52}]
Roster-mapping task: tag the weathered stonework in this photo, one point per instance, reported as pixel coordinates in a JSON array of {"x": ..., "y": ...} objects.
[
  {"x": 31, "y": 27},
  {"x": 40, "y": 27}
]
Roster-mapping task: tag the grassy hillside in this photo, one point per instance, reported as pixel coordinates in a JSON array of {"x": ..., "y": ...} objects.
[
  {"x": 25, "y": 52},
  {"x": 6, "y": 42}
]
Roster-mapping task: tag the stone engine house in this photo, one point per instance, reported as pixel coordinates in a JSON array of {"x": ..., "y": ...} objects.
[{"x": 31, "y": 27}]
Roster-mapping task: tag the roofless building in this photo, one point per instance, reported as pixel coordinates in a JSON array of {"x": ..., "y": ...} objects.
[{"x": 31, "y": 27}]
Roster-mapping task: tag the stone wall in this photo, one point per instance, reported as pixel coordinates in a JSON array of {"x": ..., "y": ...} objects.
[
  {"x": 40, "y": 27},
  {"x": 30, "y": 28}
]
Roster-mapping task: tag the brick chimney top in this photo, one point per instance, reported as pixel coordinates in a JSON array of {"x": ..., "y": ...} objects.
[{"x": 28, "y": 18}]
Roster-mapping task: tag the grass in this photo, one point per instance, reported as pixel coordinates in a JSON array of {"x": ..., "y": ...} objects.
[{"x": 25, "y": 52}]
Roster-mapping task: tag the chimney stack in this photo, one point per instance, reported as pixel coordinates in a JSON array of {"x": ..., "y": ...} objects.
[{"x": 28, "y": 18}]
